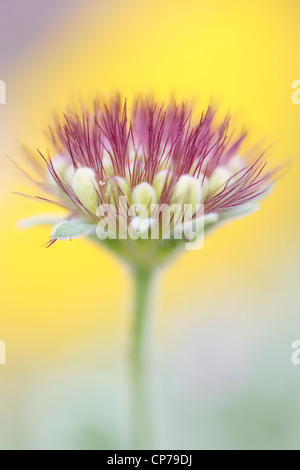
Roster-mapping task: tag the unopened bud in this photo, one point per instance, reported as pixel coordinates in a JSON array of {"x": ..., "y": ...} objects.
[
  {"x": 218, "y": 180},
  {"x": 188, "y": 191},
  {"x": 160, "y": 181},
  {"x": 107, "y": 166},
  {"x": 60, "y": 166},
  {"x": 117, "y": 187},
  {"x": 236, "y": 164},
  {"x": 204, "y": 185},
  {"x": 64, "y": 171},
  {"x": 84, "y": 186},
  {"x": 69, "y": 175},
  {"x": 144, "y": 195}
]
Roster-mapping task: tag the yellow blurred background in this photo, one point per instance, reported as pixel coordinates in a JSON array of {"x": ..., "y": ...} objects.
[{"x": 226, "y": 315}]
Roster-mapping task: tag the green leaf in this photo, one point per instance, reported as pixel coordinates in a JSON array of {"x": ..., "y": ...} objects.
[
  {"x": 73, "y": 229},
  {"x": 41, "y": 219}
]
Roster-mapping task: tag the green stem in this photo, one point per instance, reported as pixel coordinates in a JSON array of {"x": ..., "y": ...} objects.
[{"x": 141, "y": 431}]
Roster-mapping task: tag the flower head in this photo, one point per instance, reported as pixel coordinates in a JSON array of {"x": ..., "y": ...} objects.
[{"x": 116, "y": 172}]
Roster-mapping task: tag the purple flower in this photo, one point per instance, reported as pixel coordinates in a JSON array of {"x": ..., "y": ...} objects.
[{"x": 156, "y": 156}]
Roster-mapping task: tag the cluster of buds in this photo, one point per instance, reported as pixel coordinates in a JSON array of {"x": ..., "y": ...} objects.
[{"x": 128, "y": 171}]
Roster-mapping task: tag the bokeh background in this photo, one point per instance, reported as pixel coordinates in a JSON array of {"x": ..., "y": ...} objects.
[{"x": 227, "y": 315}]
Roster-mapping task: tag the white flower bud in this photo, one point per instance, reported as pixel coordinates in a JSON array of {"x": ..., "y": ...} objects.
[
  {"x": 107, "y": 166},
  {"x": 60, "y": 166},
  {"x": 69, "y": 175},
  {"x": 236, "y": 164},
  {"x": 144, "y": 195},
  {"x": 84, "y": 185},
  {"x": 205, "y": 186},
  {"x": 65, "y": 173},
  {"x": 117, "y": 187},
  {"x": 188, "y": 191},
  {"x": 161, "y": 180},
  {"x": 218, "y": 180}
]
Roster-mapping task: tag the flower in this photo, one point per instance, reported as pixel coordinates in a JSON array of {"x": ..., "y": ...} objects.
[
  {"x": 145, "y": 187},
  {"x": 114, "y": 173}
]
